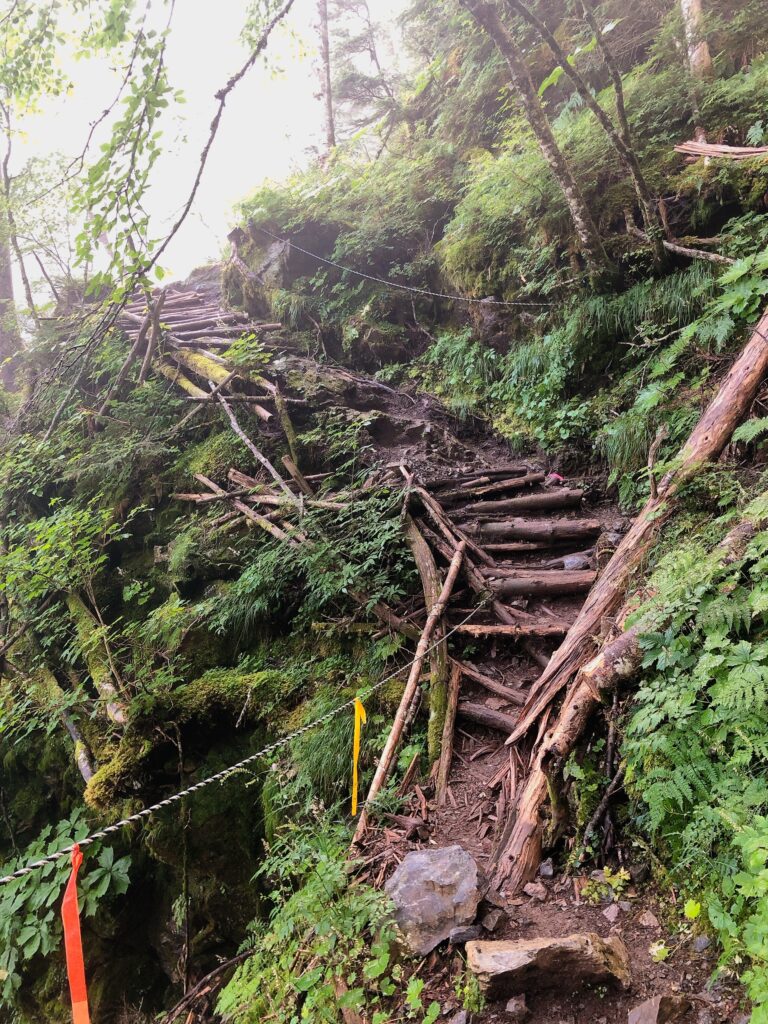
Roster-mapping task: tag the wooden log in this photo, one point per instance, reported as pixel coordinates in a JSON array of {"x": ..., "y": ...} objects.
[
  {"x": 487, "y": 717},
  {"x": 387, "y": 758},
  {"x": 249, "y": 513},
  {"x": 176, "y": 376},
  {"x": 449, "y": 530},
  {"x": 708, "y": 439},
  {"x": 517, "y": 582},
  {"x": 553, "y": 530},
  {"x": 516, "y": 483},
  {"x": 258, "y": 455},
  {"x": 560, "y": 498},
  {"x": 514, "y": 630},
  {"x": 486, "y": 475},
  {"x": 446, "y": 744},
  {"x": 513, "y": 696},
  {"x": 438, "y": 681},
  {"x": 301, "y": 481}
]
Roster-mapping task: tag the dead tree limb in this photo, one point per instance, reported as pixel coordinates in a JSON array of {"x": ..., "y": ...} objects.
[
  {"x": 446, "y": 745},
  {"x": 387, "y": 758},
  {"x": 259, "y": 456}
]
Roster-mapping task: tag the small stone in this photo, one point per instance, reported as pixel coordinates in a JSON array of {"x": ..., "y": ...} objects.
[
  {"x": 625, "y": 905},
  {"x": 493, "y": 919},
  {"x": 459, "y": 1018},
  {"x": 648, "y": 920},
  {"x": 547, "y": 868},
  {"x": 612, "y": 913},
  {"x": 535, "y": 890},
  {"x": 465, "y": 934},
  {"x": 706, "y": 1016},
  {"x": 659, "y": 1010},
  {"x": 517, "y": 1009},
  {"x": 700, "y": 943},
  {"x": 494, "y": 897}
]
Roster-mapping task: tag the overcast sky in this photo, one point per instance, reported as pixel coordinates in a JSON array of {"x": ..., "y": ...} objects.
[{"x": 270, "y": 125}]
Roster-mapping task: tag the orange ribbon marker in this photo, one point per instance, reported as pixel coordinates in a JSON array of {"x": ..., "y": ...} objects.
[
  {"x": 73, "y": 944},
  {"x": 360, "y": 719}
]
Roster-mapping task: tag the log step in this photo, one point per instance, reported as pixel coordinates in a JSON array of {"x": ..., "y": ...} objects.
[
  {"x": 544, "y": 581},
  {"x": 516, "y": 483},
  {"x": 549, "y": 628},
  {"x": 534, "y": 529},
  {"x": 481, "y": 715},
  {"x": 561, "y": 498},
  {"x": 493, "y": 685}
]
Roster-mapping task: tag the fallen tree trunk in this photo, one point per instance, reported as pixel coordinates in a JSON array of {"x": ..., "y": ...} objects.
[
  {"x": 518, "y": 852},
  {"x": 387, "y": 758},
  {"x": 708, "y": 439},
  {"x": 535, "y": 529},
  {"x": 561, "y": 498}
]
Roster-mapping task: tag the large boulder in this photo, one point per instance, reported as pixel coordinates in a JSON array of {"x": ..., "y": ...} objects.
[
  {"x": 505, "y": 968},
  {"x": 434, "y": 891}
]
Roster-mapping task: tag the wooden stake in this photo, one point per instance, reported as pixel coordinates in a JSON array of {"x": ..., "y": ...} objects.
[{"x": 446, "y": 746}]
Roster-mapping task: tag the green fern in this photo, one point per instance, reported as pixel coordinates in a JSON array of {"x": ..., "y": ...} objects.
[{"x": 751, "y": 430}]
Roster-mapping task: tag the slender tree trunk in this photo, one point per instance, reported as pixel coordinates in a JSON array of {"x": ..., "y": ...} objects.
[
  {"x": 10, "y": 338},
  {"x": 326, "y": 91},
  {"x": 487, "y": 17},
  {"x": 699, "y": 57}
]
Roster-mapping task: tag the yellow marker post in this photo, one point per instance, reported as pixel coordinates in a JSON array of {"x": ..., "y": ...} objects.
[{"x": 360, "y": 720}]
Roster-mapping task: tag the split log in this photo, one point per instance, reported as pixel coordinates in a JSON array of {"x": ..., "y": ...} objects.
[
  {"x": 708, "y": 439},
  {"x": 709, "y": 149},
  {"x": 487, "y": 717},
  {"x": 560, "y": 498},
  {"x": 508, "y": 582},
  {"x": 446, "y": 743},
  {"x": 553, "y": 530},
  {"x": 387, "y": 758},
  {"x": 438, "y": 658},
  {"x": 516, "y": 483},
  {"x": 516, "y": 630},
  {"x": 513, "y": 696},
  {"x": 301, "y": 481}
]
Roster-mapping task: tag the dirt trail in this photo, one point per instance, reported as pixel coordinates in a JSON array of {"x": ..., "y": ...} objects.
[{"x": 536, "y": 542}]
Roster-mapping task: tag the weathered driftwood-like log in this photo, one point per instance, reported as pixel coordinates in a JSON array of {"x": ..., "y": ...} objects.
[
  {"x": 708, "y": 439},
  {"x": 438, "y": 659},
  {"x": 516, "y": 630},
  {"x": 552, "y": 530},
  {"x": 487, "y": 717},
  {"x": 301, "y": 481},
  {"x": 560, "y": 498},
  {"x": 710, "y": 149},
  {"x": 539, "y": 582},
  {"x": 393, "y": 740},
  {"x": 258, "y": 455},
  {"x": 449, "y": 529},
  {"x": 516, "y": 483},
  {"x": 446, "y": 744},
  {"x": 513, "y": 696},
  {"x": 518, "y": 852}
]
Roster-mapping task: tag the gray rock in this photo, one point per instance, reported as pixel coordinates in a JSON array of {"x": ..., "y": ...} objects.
[
  {"x": 493, "y": 919},
  {"x": 459, "y": 1018},
  {"x": 434, "y": 891},
  {"x": 612, "y": 913},
  {"x": 648, "y": 920},
  {"x": 509, "y": 968},
  {"x": 466, "y": 933},
  {"x": 517, "y": 1009},
  {"x": 547, "y": 868},
  {"x": 700, "y": 943},
  {"x": 659, "y": 1010}
]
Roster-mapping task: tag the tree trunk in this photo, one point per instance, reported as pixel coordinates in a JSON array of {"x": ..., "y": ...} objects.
[
  {"x": 599, "y": 266},
  {"x": 710, "y": 436},
  {"x": 699, "y": 57},
  {"x": 620, "y": 138},
  {"x": 10, "y": 338},
  {"x": 326, "y": 91}
]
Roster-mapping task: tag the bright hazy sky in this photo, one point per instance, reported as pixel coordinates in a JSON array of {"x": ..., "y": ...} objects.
[{"x": 270, "y": 124}]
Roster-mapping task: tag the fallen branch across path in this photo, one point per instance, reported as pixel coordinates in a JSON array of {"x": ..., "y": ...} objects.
[
  {"x": 515, "y": 630},
  {"x": 485, "y": 716},
  {"x": 387, "y": 758}
]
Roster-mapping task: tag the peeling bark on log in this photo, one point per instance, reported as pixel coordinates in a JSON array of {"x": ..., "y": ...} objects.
[{"x": 708, "y": 439}]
